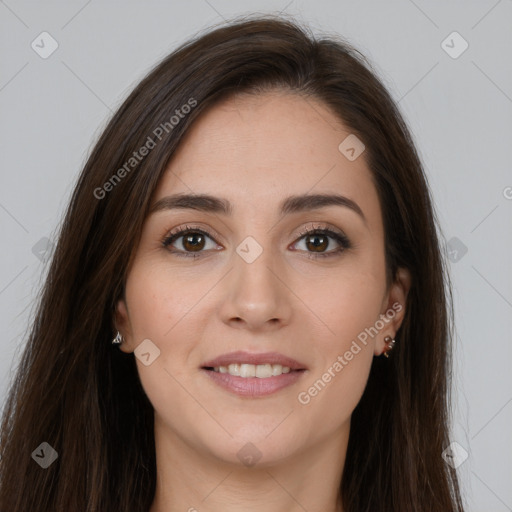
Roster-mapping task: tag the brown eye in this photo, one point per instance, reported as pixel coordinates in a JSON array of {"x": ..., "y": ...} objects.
[
  {"x": 193, "y": 242},
  {"x": 317, "y": 243},
  {"x": 189, "y": 242}
]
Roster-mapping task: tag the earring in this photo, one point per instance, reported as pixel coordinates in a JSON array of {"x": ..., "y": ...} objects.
[
  {"x": 118, "y": 339},
  {"x": 390, "y": 342}
]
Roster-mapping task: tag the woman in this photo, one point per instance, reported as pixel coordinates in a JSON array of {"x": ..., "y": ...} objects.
[{"x": 247, "y": 306}]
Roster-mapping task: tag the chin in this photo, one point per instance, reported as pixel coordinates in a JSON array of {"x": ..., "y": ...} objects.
[{"x": 252, "y": 446}]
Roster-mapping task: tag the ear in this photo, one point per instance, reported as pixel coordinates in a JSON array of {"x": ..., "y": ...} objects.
[
  {"x": 123, "y": 325},
  {"x": 393, "y": 308}
]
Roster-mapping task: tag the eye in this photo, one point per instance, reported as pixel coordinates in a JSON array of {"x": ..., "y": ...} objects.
[
  {"x": 317, "y": 240},
  {"x": 193, "y": 241}
]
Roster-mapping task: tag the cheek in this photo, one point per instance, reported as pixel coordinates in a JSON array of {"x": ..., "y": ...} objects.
[
  {"x": 160, "y": 301},
  {"x": 349, "y": 309},
  {"x": 337, "y": 382},
  {"x": 334, "y": 392},
  {"x": 347, "y": 302},
  {"x": 166, "y": 309},
  {"x": 171, "y": 309}
]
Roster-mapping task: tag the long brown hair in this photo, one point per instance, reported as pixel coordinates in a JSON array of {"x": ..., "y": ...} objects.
[{"x": 82, "y": 396}]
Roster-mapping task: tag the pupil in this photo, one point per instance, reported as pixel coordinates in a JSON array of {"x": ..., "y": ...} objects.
[
  {"x": 316, "y": 238},
  {"x": 191, "y": 239}
]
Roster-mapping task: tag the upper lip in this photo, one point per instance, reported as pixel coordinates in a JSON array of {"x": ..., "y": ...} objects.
[{"x": 254, "y": 358}]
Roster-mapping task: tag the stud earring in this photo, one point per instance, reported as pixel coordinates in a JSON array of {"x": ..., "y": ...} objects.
[
  {"x": 118, "y": 339},
  {"x": 390, "y": 342}
]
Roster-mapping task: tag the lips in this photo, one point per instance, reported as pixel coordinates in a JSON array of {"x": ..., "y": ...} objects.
[
  {"x": 259, "y": 385},
  {"x": 242, "y": 357}
]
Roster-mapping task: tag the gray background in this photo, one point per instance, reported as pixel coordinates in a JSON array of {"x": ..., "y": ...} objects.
[{"x": 459, "y": 110}]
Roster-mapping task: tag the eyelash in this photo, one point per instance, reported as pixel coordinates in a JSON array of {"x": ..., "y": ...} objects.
[{"x": 342, "y": 240}]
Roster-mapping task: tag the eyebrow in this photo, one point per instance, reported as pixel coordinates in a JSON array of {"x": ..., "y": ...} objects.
[{"x": 293, "y": 204}]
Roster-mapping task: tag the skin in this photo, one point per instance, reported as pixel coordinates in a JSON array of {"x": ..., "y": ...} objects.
[{"x": 256, "y": 151}]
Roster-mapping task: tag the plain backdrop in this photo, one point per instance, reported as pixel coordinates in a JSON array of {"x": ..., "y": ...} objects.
[{"x": 457, "y": 101}]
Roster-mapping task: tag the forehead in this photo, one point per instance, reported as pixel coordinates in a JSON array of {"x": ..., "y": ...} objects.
[{"x": 256, "y": 150}]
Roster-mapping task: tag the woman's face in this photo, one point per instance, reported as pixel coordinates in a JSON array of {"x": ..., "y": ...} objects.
[{"x": 249, "y": 279}]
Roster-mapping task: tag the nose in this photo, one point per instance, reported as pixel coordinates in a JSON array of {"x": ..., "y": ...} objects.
[{"x": 256, "y": 294}]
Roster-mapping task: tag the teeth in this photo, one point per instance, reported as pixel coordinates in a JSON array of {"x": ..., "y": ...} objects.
[
  {"x": 261, "y": 371},
  {"x": 234, "y": 369},
  {"x": 277, "y": 369},
  {"x": 247, "y": 370}
]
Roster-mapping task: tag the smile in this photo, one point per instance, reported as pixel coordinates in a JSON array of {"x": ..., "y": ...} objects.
[
  {"x": 260, "y": 371},
  {"x": 253, "y": 386},
  {"x": 253, "y": 374}
]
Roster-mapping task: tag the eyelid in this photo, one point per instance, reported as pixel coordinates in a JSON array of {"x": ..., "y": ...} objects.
[
  {"x": 305, "y": 230},
  {"x": 330, "y": 231},
  {"x": 320, "y": 226},
  {"x": 180, "y": 231},
  {"x": 183, "y": 229}
]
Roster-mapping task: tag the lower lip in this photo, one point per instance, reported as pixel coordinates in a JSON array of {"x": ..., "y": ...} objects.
[{"x": 253, "y": 386}]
